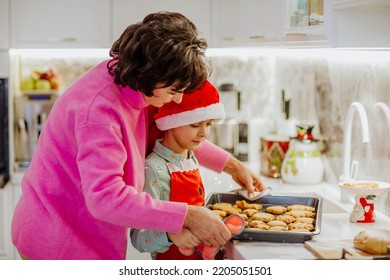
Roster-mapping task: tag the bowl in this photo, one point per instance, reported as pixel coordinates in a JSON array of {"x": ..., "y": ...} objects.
[{"x": 356, "y": 189}]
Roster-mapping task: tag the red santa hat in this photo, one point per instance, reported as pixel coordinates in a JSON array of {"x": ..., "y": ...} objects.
[{"x": 200, "y": 105}]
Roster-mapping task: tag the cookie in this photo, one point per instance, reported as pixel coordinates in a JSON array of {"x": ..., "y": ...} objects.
[
  {"x": 276, "y": 223},
  {"x": 285, "y": 218},
  {"x": 367, "y": 185},
  {"x": 305, "y": 220},
  {"x": 243, "y": 204},
  {"x": 256, "y": 222},
  {"x": 276, "y": 209},
  {"x": 278, "y": 228},
  {"x": 301, "y": 213},
  {"x": 265, "y": 217},
  {"x": 249, "y": 212},
  {"x": 258, "y": 225},
  {"x": 301, "y": 207},
  {"x": 300, "y": 225},
  {"x": 220, "y": 213},
  {"x": 227, "y": 207},
  {"x": 244, "y": 216}
]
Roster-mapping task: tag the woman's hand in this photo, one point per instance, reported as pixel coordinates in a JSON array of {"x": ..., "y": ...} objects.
[
  {"x": 243, "y": 176},
  {"x": 185, "y": 239},
  {"x": 206, "y": 226}
]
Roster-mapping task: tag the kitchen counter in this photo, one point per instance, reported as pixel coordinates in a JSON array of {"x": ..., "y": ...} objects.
[{"x": 335, "y": 223}]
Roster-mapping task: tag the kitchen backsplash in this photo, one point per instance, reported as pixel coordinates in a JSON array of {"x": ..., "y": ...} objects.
[{"x": 320, "y": 83}]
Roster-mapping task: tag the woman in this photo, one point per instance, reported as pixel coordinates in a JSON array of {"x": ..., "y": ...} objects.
[{"x": 83, "y": 188}]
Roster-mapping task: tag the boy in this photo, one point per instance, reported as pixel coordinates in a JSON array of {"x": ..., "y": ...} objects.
[{"x": 172, "y": 170}]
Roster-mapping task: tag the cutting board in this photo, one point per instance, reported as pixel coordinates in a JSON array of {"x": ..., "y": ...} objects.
[{"x": 333, "y": 249}]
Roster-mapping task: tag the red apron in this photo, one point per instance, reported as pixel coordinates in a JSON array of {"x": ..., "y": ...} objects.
[{"x": 186, "y": 186}]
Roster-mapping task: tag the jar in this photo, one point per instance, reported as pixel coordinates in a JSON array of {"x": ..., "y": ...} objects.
[
  {"x": 272, "y": 152},
  {"x": 303, "y": 162}
]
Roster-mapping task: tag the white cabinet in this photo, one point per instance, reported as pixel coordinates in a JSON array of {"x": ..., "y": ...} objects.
[
  {"x": 361, "y": 24},
  {"x": 239, "y": 23},
  {"x": 243, "y": 23},
  {"x": 4, "y": 33},
  {"x": 8, "y": 198},
  {"x": 60, "y": 24},
  {"x": 307, "y": 23},
  {"x": 126, "y": 12}
]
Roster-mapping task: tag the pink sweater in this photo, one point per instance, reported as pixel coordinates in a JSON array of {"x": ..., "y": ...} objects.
[{"x": 83, "y": 189}]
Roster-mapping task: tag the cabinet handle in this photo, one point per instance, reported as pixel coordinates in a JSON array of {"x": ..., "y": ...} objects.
[
  {"x": 228, "y": 39},
  {"x": 257, "y": 37},
  {"x": 296, "y": 34},
  {"x": 59, "y": 39}
]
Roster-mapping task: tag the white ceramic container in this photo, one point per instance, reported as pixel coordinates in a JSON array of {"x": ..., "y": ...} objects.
[{"x": 303, "y": 163}]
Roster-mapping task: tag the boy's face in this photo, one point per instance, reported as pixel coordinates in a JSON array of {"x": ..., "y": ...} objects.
[
  {"x": 162, "y": 95},
  {"x": 189, "y": 137}
]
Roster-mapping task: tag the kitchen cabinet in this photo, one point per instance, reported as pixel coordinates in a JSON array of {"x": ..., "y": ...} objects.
[
  {"x": 126, "y": 12},
  {"x": 360, "y": 26},
  {"x": 4, "y": 33},
  {"x": 238, "y": 23},
  {"x": 8, "y": 198},
  {"x": 60, "y": 24},
  {"x": 306, "y": 23}
]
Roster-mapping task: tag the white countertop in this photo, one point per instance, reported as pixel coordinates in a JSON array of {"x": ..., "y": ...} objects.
[{"x": 335, "y": 224}]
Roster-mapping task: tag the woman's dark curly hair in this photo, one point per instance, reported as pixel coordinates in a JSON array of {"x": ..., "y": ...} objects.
[{"x": 163, "y": 48}]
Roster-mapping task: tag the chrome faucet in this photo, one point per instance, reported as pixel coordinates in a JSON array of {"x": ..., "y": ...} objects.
[{"x": 354, "y": 107}]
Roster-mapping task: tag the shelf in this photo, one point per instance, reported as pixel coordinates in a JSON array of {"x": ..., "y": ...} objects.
[
  {"x": 40, "y": 95},
  {"x": 40, "y": 92}
]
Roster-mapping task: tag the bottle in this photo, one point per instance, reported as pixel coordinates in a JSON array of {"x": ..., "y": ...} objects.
[{"x": 303, "y": 162}]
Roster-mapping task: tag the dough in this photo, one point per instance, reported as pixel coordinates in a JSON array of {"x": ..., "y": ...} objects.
[{"x": 374, "y": 241}]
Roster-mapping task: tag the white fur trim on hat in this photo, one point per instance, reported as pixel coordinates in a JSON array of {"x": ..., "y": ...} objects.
[{"x": 213, "y": 112}]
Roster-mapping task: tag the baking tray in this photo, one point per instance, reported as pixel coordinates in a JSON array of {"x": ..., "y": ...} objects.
[{"x": 269, "y": 200}]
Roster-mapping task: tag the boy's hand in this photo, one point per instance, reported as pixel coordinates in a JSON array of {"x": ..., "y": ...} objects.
[{"x": 243, "y": 175}]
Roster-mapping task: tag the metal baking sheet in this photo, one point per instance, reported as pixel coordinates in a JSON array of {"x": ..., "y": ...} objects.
[{"x": 269, "y": 200}]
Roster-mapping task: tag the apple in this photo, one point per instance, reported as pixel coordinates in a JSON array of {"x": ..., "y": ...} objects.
[
  {"x": 35, "y": 75},
  {"x": 42, "y": 84},
  {"x": 55, "y": 82},
  {"x": 45, "y": 76},
  {"x": 27, "y": 84}
]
